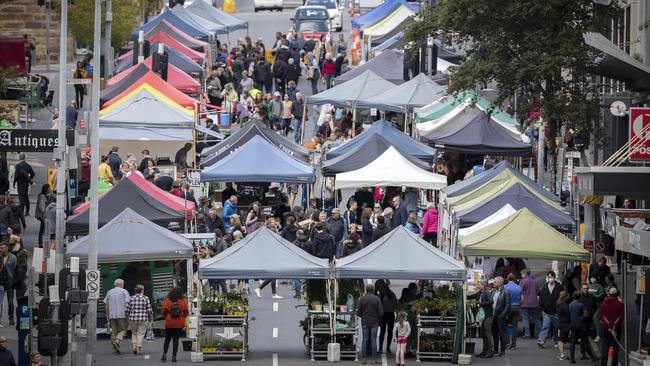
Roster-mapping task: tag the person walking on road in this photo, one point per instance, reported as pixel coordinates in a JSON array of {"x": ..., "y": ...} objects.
[
  {"x": 371, "y": 311},
  {"x": 23, "y": 178},
  {"x": 42, "y": 201},
  {"x": 140, "y": 316},
  {"x": 328, "y": 70},
  {"x": 174, "y": 310},
  {"x": 611, "y": 318},
  {"x": 297, "y": 110},
  {"x": 6, "y": 357},
  {"x": 548, "y": 297},
  {"x": 313, "y": 72},
  {"x": 502, "y": 301},
  {"x": 515, "y": 308},
  {"x": 529, "y": 302},
  {"x": 7, "y": 268},
  {"x": 79, "y": 89},
  {"x": 115, "y": 304},
  {"x": 564, "y": 321},
  {"x": 580, "y": 318}
]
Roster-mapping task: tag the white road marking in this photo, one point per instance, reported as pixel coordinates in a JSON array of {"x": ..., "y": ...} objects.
[
  {"x": 275, "y": 332},
  {"x": 275, "y": 359},
  {"x": 384, "y": 362},
  {"x": 275, "y": 306}
]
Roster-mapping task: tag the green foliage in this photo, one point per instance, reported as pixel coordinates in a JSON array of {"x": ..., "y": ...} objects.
[
  {"x": 529, "y": 47},
  {"x": 81, "y": 17}
]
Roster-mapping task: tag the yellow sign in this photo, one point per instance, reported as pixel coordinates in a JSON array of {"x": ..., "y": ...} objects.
[{"x": 51, "y": 178}]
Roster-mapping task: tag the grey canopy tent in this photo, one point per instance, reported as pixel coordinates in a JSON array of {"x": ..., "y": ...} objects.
[
  {"x": 400, "y": 255},
  {"x": 475, "y": 132},
  {"x": 365, "y": 85},
  {"x": 212, "y": 27},
  {"x": 129, "y": 237},
  {"x": 364, "y": 154},
  {"x": 264, "y": 254},
  {"x": 517, "y": 196},
  {"x": 402, "y": 142},
  {"x": 205, "y": 10},
  {"x": 213, "y": 154},
  {"x": 389, "y": 65},
  {"x": 415, "y": 93},
  {"x": 259, "y": 161}
]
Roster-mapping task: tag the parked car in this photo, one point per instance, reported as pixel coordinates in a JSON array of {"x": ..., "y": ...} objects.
[
  {"x": 268, "y": 5},
  {"x": 333, "y": 10},
  {"x": 313, "y": 22}
]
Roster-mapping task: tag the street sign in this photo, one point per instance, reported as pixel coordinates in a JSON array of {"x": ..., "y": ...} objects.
[
  {"x": 640, "y": 148},
  {"x": 79, "y": 81},
  {"x": 32, "y": 140},
  {"x": 92, "y": 283}
]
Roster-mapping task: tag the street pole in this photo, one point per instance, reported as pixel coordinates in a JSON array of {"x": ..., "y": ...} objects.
[
  {"x": 540, "y": 156},
  {"x": 60, "y": 154},
  {"x": 91, "y": 320},
  {"x": 48, "y": 5},
  {"x": 108, "y": 54}
]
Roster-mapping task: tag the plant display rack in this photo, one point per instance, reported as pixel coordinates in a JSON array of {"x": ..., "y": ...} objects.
[
  {"x": 441, "y": 349},
  {"x": 212, "y": 345},
  {"x": 349, "y": 349}
]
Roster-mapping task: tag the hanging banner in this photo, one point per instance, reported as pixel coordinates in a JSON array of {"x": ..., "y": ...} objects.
[
  {"x": 640, "y": 145},
  {"x": 32, "y": 140}
]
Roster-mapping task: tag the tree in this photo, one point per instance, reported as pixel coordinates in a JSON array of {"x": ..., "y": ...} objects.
[
  {"x": 529, "y": 47},
  {"x": 81, "y": 17}
]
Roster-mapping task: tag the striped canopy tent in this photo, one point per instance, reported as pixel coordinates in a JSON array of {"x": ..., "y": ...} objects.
[
  {"x": 182, "y": 37},
  {"x": 175, "y": 76}
]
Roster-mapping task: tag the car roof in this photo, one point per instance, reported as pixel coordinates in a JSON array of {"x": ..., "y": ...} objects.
[{"x": 311, "y": 7}]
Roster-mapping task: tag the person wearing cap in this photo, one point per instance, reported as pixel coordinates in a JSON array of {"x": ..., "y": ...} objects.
[
  {"x": 611, "y": 314},
  {"x": 297, "y": 110}
]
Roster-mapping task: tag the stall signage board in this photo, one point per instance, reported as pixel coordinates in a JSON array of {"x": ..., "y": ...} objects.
[
  {"x": 640, "y": 148},
  {"x": 32, "y": 140}
]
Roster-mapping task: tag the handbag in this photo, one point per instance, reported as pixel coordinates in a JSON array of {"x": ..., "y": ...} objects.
[
  {"x": 480, "y": 316},
  {"x": 310, "y": 73}
]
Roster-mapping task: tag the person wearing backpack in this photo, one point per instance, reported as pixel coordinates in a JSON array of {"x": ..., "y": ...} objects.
[{"x": 174, "y": 311}]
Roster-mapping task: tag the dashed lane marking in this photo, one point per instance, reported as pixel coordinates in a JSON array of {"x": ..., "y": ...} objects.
[
  {"x": 275, "y": 359},
  {"x": 275, "y": 332},
  {"x": 275, "y": 306}
]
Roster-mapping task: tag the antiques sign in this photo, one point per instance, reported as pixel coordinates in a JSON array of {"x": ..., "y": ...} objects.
[{"x": 32, "y": 140}]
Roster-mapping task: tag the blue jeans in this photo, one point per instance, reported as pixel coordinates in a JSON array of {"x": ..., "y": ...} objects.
[
  {"x": 549, "y": 321},
  {"x": 297, "y": 287},
  {"x": 297, "y": 131},
  {"x": 369, "y": 335},
  {"x": 2, "y": 299},
  {"x": 528, "y": 314}
]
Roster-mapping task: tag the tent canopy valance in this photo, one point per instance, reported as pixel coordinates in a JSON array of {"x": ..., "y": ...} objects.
[
  {"x": 417, "y": 92},
  {"x": 259, "y": 161},
  {"x": 130, "y": 237},
  {"x": 400, "y": 255},
  {"x": 391, "y": 169},
  {"x": 205, "y": 10},
  {"x": 522, "y": 235},
  {"x": 264, "y": 254},
  {"x": 367, "y": 84}
]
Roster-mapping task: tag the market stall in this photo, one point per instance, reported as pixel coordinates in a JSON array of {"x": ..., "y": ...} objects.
[
  {"x": 174, "y": 20},
  {"x": 389, "y": 65},
  {"x": 199, "y": 22},
  {"x": 174, "y": 56},
  {"x": 175, "y": 77},
  {"x": 415, "y": 93},
  {"x": 262, "y": 254},
  {"x": 186, "y": 39},
  {"x": 378, "y": 13}
]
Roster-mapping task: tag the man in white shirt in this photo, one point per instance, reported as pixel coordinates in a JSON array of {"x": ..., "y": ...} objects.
[{"x": 115, "y": 304}]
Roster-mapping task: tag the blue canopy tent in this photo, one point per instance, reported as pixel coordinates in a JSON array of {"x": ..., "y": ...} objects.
[
  {"x": 518, "y": 196},
  {"x": 175, "y": 57},
  {"x": 391, "y": 43},
  {"x": 199, "y": 22},
  {"x": 380, "y": 12},
  {"x": 209, "y": 12},
  {"x": 259, "y": 161},
  {"x": 185, "y": 27},
  {"x": 402, "y": 142}
]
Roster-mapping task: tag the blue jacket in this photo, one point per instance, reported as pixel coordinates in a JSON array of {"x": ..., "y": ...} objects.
[{"x": 228, "y": 210}]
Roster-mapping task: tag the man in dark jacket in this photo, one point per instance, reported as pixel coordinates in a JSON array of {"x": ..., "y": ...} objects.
[
  {"x": 600, "y": 270},
  {"x": 71, "y": 115},
  {"x": 6, "y": 216},
  {"x": 303, "y": 242},
  {"x": 279, "y": 68},
  {"x": 262, "y": 75},
  {"x": 115, "y": 162},
  {"x": 502, "y": 303},
  {"x": 486, "y": 302},
  {"x": 324, "y": 242},
  {"x": 611, "y": 317},
  {"x": 214, "y": 221},
  {"x": 548, "y": 296},
  {"x": 289, "y": 230},
  {"x": 338, "y": 229},
  {"x": 292, "y": 71},
  {"x": 381, "y": 228},
  {"x": 6, "y": 357},
  {"x": 400, "y": 216},
  {"x": 23, "y": 177},
  {"x": 297, "y": 110},
  {"x": 371, "y": 311}
]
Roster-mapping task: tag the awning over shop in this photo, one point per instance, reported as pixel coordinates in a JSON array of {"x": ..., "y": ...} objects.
[
  {"x": 258, "y": 160},
  {"x": 389, "y": 65},
  {"x": 251, "y": 129},
  {"x": 205, "y": 10},
  {"x": 130, "y": 237},
  {"x": 193, "y": 30},
  {"x": 264, "y": 254},
  {"x": 367, "y": 84},
  {"x": 402, "y": 142},
  {"x": 364, "y": 154},
  {"x": 179, "y": 35},
  {"x": 175, "y": 77},
  {"x": 522, "y": 235},
  {"x": 597, "y": 180},
  {"x": 381, "y": 12},
  {"x": 400, "y": 255},
  {"x": 613, "y": 62},
  {"x": 415, "y": 93},
  {"x": 475, "y": 132},
  {"x": 391, "y": 169}
]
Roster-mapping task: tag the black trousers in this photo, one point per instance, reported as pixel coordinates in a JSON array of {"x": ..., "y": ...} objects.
[
  {"x": 606, "y": 341},
  {"x": 82, "y": 191},
  {"x": 41, "y": 232},
  {"x": 172, "y": 334},
  {"x": 386, "y": 330},
  {"x": 580, "y": 333},
  {"x": 500, "y": 334},
  {"x": 23, "y": 196},
  {"x": 431, "y": 238},
  {"x": 79, "y": 96},
  {"x": 266, "y": 282}
]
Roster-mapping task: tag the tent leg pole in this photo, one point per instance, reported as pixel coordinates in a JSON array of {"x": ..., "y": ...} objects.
[
  {"x": 190, "y": 275},
  {"x": 304, "y": 124},
  {"x": 464, "y": 284},
  {"x": 354, "y": 122}
]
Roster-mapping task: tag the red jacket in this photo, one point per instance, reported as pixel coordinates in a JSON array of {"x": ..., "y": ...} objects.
[
  {"x": 174, "y": 322},
  {"x": 430, "y": 221},
  {"x": 328, "y": 68},
  {"x": 611, "y": 313}
]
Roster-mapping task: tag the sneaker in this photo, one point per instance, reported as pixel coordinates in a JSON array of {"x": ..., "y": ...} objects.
[
  {"x": 276, "y": 296},
  {"x": 562, "y": 357},
  {"x": 258, "y": 292},
  {"x": 554, "y": 345},
  {"x": 174, "y": 358},
  {"x": 163, "y": 358},
  {"x": 541, "y": 344},
  {"x": 2, "y": 325},
  {"x": 597, "y": 339}
]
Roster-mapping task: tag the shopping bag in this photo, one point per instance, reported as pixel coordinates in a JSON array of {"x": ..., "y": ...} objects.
[
  {"x": 150, "y": 336},
  {"x": 480, "y": 316}
]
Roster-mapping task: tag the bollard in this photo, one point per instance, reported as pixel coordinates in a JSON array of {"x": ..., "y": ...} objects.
[{"x": 610, "y": 356}]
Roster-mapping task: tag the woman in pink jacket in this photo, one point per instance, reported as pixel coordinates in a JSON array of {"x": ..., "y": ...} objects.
[{"x": 430, "y": 224}]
